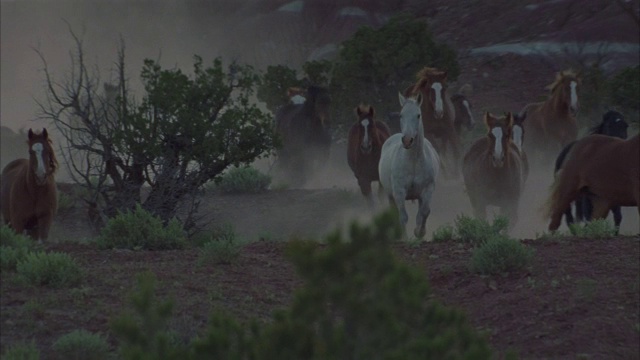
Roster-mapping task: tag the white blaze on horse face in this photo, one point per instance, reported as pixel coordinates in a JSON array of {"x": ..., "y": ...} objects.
[
  {"x": 366, "y": 141},
  {"x": 409, "y": 122},
  {"x": 574, "y": 95},
  {"x": 40, "y": 169},
  {"x": 437, "y": 88},
  {"x": 497, "y": 149},
  {"x": 517, "y": 136},
  {"x": 298, "y": 99},
  {"x": 466, "y": 105}
]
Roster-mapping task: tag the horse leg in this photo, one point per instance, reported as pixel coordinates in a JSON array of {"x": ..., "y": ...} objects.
[
  {"x": 42, "y": 230},
  {"x": 479, "y": 208},
  {"x": 424, "y": 209},
  {"x": 617, "y": 217},
  {"x": 600, "y": 208},
  {"x": 398, "y": 199},
  {"x": 365, "y": 188}
]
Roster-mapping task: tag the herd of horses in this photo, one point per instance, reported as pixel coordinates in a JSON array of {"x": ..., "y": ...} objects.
[{"x": 599, "y": 172}]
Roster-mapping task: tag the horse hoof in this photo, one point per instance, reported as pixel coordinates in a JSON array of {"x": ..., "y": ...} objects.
[{"x": 419, "y": 233}]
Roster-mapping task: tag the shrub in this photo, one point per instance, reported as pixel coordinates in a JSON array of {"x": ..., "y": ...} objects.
[
  {"x": 477, "y": 231},
  {"x": 221, "y": 248},
  {"x": 13, "y": 248},
  {"x": 80, "y": 345},
  {"x": 625, "y": 88},
  {"x": 443, "y": 233},
  {"x": 139, "y": 229},
  {"x": 65, "y": 202},
  {"x": 22, "y": 351},
  {"x": 358, "y": 301},
  {"x": 500, "y": 254},
  {"x": 144, "y": 333},
  {"x": 600, "y": 228},
  {"x": 53, "y": 269},
  {"x": 244, "y": 180}
]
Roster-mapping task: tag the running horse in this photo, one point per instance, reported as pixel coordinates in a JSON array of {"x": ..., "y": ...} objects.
[
  {"x": 364, "y": 144},
  {"x": 28, "y": 189},
  {"x": 464, "y": 116},
  {"x": 552, "y": 124},
  {"x": 304, "y": 129},
  {"x": 492, "y": 170},
  {"x": 605, "y": 168},
  {"x": 438, "y": 114},
  {"x": 517, "y": 137},
  {"x": 409, "y": 166},
  {"x": 613, "y": 124}
]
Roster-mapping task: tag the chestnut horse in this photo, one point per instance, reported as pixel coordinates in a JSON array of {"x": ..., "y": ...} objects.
[
  {"x": 365, "y": 141},
  {"x": 438, "y": 116},
  {"x": 517, "y": 136},
  {"x": 29, "y": 193},
  {"x": 605, "y": 168},
  {"x": 552, "y": 124},
  {"x": 612, "y": 124},
  {"x": 492, "y": 170}
]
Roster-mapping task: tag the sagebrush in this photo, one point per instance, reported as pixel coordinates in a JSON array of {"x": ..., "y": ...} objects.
[
  {"x": 81, "y": 345},
  {"x": 49, "y": 268}
]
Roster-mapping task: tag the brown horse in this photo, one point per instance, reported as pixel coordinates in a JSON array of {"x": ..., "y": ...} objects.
[
  {"x": 306, "y": 137},
  {"x": 605, "y": 168},
  {"x": 29, "y": 193},
  {"x": 464, "y": 116},
  {"x": 552, "y": 124},
  {"x": 438, "y": 114},
  {"x": 517, "y": 137},
  {"x": 365, "y": 140},
  {"x": 492, "y": 170}
]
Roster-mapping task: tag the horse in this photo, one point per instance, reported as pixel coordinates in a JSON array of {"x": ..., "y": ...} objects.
[
  {"x": 28, "y": 189},
  {"x": 464, "y": 116},
  {"x": 409, "y": 165},
  {"x": 613, "y": 124},
  {"x": 438, "y": 114},
  {"x": 517, "y": 137},
  {"x": 492, "y": 170},
  {"x": 304, "y": 129},
  {"x": 364, "y": 144},
  {"x": 605, "y": 168},
  {"x": 552, "y": 124}
]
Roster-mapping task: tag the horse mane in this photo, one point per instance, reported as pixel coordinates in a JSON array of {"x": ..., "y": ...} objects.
[
  {"x": 559, "y": 77},
  {"x": 423, "y": 76},
  {"x": 364, "y": 108}
]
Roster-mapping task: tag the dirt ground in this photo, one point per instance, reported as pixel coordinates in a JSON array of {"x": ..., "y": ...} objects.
[{"x": 580, "y": 298}]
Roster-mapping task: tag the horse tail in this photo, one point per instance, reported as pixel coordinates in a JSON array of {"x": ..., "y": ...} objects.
[{"x": 554, "y": 196}]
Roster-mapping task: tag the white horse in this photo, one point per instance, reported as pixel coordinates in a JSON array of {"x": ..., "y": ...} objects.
[{"x": 409, "y": 165}]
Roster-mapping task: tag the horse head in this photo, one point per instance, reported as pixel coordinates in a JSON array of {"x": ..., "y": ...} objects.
[
  {"x": 42, "y": 159},
  {"x": 613, "y": 124},
  {"x": 410, "y": 120},
  {"x": 432, "y": 84},
  {"x": 517, "y": 131},
  {"x": 365, "y": 114},
  {"x": 463, "y": 111},
  {"x": 499, "y": 135},
  {"x": 565, "y": 90}
]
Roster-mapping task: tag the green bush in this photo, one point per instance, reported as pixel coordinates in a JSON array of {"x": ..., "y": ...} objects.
[
  {"x": 144, "y": 333},
  {"x": 81, "y": 345},
  {"x": 13, "y": 248},
  {"x": 22, "y": 351},
  {"x": 52, "y": 269},
  {"x": 625, "y": 88},
  {"x": 244, "y": 180},
  {"x": 444, "y": 233},
  {"x": 139, "y": 229},
  {"x": 358, "y": 301},
  {"x": 477, "y": 231},
  {"x": 500, "y": 254},
  {"x": 600, "y": 228},
  {"x": 222, "y": 247}
]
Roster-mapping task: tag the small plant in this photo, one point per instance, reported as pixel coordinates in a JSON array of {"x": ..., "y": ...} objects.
[
  {"x": 13, "y": 248},
  {"x": 139, "y": 229},
  {"x": 22, "y": 351},
  {"x": 52, "y": 269},
  {"x": 477, "y": 231},
  {"x": 144, "y": 333},
  {"x": 221, "y": 248},
  {"x": 595, "y": 229},
  {"x": 500, "y": 254},
  {"x": 244, "y": 180},
  {"x": 443, "y": 233},
  {"x": 65, "y": 202},
  {"x": 80, "y": 345}
]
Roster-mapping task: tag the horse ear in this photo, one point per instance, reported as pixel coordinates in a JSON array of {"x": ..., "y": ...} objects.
[
  {"x": 402, "y": 99},
  {"x": 30, "y": 133},
  {"x": 45, "y": 134},
  {"x": 444, "y": 74},
  {"x": 488, "y": 119},
  {"x": 419, "y": 99},
  {"x": 358, "y": 112},
  {"x": 509, "y": 116},
  {"x": 371, "y": 111}
]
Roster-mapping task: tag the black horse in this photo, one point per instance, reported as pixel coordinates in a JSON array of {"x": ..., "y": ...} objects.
[
  {"x": 306, "y": 139},
  {"x": 613, "y": 124}
]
